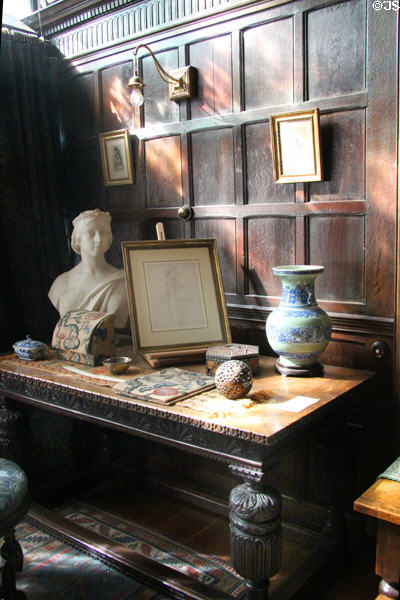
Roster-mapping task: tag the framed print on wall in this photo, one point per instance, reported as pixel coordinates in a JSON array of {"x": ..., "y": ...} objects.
[
  {"x": 116, "y": 157},
  {"x": 175, "y": 294},
  {"x": 296, "y": 148}
]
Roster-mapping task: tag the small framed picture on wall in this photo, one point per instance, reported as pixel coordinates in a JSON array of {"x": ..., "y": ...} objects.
[
  {"x": 116, "y": 157},
  {"x": 296, "y": 148}
]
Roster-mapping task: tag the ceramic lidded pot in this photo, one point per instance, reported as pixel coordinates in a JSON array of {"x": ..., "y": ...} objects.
[
  {"x": 298, "y": 330},
  {"x": 30, "y": 349}
]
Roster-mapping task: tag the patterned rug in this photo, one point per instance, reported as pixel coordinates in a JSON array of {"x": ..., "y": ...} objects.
[{"x": 54, "y": 570}]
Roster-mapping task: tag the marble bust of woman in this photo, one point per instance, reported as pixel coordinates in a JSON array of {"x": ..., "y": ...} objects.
[{"x": 93, "y": 284}]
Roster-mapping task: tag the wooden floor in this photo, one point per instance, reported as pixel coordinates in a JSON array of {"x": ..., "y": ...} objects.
[{"x": 351, "y": 577}]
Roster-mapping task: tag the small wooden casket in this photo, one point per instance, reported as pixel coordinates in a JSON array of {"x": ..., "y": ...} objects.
[
  {"x": 84, "y": 336},
  {"x": 216, "y": 355}
]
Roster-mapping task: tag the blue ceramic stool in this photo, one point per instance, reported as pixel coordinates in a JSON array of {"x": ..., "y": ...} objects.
[{"x": 14, "y": 504}]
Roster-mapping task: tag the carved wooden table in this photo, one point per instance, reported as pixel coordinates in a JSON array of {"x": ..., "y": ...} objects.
[
  {"x": 382, "y": 501},
  {"x": 249, "y": 443}
]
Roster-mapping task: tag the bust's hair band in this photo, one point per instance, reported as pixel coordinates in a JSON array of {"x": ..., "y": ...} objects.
[{"x": 90, "y": 214}]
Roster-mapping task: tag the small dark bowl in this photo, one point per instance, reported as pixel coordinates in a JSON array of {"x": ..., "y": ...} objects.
[{"x": 117, "y": 364}]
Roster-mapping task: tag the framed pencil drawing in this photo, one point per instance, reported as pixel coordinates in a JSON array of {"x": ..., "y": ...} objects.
[
  {"x": 296, "y": 148},
  {"x": 175, "y": 294},
  {"x": 116, "y": 158}
]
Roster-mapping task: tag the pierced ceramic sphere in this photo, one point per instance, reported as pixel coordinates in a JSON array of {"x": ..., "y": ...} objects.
[{"x": 233, "y": 379}]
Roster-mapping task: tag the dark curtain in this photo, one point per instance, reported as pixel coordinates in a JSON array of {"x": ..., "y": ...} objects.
[{"x": 33, "y": 248}]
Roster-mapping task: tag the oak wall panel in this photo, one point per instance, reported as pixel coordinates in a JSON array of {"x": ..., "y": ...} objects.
[
  {"x": 116, "y": 108},
  {"x": 382, "y": 166},
  {"x": 124, "y": 196},
  {"x": 128, "y": 231},
  {"x": 337, "y": 244},
  {"x": 119, "y": 197},
  {"x": 87, "y": 190},
  {"x": 213, "y": 167},
  {"x": 158, "y": 108},
  {"x": 224, "y": 231},
  {"x": 268, "y": 64},
  {"x": 163, "y": 167},
  {"x": 343, "y": 155},
  {"x": 348, "y": 352},
  {"x": 336, "y": 49},
  {"x": 357, "y": 351},
  {"x": 213, "y": 59},
  {"x": 213, "y": 152},
  {"x": 174, "y": 229},
  {"x": 270, "y": 243},
  {"x": 261, "y": 187},
  {"x": 135, "y": 230},
  {"x": 78, "y": 102}
]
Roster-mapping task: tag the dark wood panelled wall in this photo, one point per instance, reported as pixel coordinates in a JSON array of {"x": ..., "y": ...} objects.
[{"x": 214, "y": 153}]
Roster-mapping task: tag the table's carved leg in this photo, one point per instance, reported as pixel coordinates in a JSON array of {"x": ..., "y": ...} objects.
[
  {"x": 256, "y": 539},
  {"x": 387, "y": 564}
]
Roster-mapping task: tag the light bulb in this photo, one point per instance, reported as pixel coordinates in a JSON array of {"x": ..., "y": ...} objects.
[{"x": 136, "y": 98}]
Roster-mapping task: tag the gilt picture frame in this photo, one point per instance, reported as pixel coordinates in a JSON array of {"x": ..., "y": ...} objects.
[
  {"x": 175, "y": 294},
  {"x": 296, "y": 151},
  {"x": 116, "y": 157}
]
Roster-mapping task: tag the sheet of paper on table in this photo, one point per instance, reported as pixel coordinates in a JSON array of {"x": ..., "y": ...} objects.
[{"x": 297, "y": 404}]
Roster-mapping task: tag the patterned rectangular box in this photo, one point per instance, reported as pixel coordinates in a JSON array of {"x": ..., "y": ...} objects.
[
  {"x": 216, "y": 355},
  {"x": 84, "y": 336}
]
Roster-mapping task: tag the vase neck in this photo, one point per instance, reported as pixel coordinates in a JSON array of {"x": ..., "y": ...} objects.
[{"x": 297, "y": 292}]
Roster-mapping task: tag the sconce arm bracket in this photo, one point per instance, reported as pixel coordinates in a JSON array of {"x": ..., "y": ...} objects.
[{"x": 182, "y": 82}]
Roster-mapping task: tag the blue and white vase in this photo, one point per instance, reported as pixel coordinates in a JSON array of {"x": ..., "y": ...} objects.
[{"x": 298, "y": 330}]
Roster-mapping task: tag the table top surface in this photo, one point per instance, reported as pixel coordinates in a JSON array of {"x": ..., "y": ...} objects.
[
  {"x": 264, "y": 421},
  {"x": 381, "y": 500}
]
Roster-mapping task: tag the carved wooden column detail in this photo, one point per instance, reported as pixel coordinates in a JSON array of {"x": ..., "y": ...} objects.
[{"x": 255, "y": 524}]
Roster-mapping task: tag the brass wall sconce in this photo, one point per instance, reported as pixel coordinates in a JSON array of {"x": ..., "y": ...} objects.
[{"x": 181, "y": 81}]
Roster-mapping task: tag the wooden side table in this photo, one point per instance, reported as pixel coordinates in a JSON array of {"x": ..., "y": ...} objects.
[
  {"x": 286, "y": 412},
  {"x": 382, "y": 501}
]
